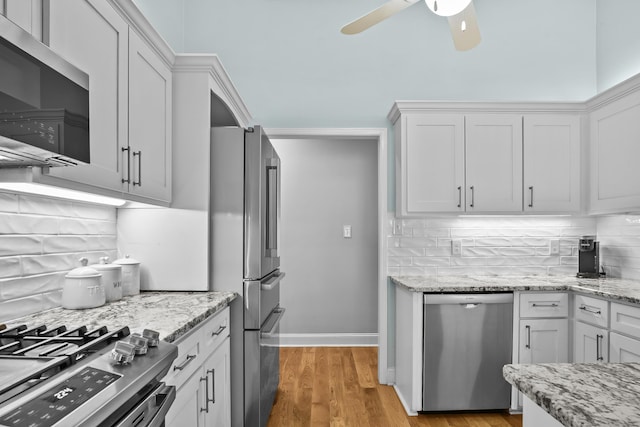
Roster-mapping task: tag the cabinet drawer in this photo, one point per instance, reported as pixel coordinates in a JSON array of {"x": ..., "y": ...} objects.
[
  {"x": 625, "y": 319},
  {"x": 591, "y": 310},
  {"x": 547, "y": 304},
  {"x": 190, "y": 358},
  {"x": 215, "y": 330}
]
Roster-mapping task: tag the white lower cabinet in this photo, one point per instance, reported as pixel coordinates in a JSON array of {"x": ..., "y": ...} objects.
[
  {"x": 623, "y": 349},
  {"x": 624, "y": 339},
  {"x": 544, "y": 341},
  {"x": 201, "y": 374},
  {"x": 590, "y": 343}
]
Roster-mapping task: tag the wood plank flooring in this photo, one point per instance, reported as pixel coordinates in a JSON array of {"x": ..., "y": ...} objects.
[{"x": 338, "y": 387}]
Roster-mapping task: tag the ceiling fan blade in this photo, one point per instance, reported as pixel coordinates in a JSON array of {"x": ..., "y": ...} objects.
[
  {"x": 464, "y": 28},
  {"x": 383, "y": 12}
]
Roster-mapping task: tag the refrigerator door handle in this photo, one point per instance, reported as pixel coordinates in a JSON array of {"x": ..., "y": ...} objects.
[
  {"x": 271, "y": 283},
  {"x": 274, "y": 320}
]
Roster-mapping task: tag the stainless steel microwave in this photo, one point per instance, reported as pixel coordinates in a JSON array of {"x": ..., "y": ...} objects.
[{"x": 44, "y": 104}]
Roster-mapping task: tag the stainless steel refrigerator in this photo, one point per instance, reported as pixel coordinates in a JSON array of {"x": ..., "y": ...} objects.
[{"x": 244, "y": 246}]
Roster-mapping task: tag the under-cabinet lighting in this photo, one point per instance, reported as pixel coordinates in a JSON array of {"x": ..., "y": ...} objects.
[{"x": 60, "y": 193}]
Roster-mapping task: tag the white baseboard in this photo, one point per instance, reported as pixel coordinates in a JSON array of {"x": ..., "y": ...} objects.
[
  {"x": 407, "y": 408},
  {"x": 328, "y": 340}
]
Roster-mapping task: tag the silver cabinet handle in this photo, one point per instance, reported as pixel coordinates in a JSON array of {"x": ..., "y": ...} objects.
[
  {"x": 530, "y": 197},
  {"x": 528, "y": 329},
  {"x": 552, "y": 305},
  {"x": 184, "y": 364},
  {"x": 206, "y": 394},
  {"x": 599, "y": 339},
  {"x": 139, "y": 154},
  {"x": 128, "y": 150},
  {"x": 213, "y": 385},
  {"x": 459, "y": 196},
  {"x": 472, "y": 196},
  {"x": 219, "y": 331},
  {"x": 589, "y": 310}
]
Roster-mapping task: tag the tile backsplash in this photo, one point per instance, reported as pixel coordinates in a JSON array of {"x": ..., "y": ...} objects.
[
  {"x": 41, "y": 239},
  {"x": 619, "y": 237},
  {"x": 495, "y": 245}
]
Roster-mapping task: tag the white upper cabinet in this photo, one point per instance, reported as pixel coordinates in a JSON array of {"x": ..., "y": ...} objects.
[
  {"x": 487, "y": 157},
  {"x": 130, "y": 98},
  {"x": 92, "y": 36},
  {"x": 433, "y": 159},
  {"x": 551, "y": 163},
  {"x": 149, "y": 122},
  {"x": 615, "y": 150},
  {"x": 494, "y": 162},
  {"x": 26, "y": 14}
]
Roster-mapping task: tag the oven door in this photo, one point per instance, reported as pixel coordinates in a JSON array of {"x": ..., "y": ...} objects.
[
  {"x": 262, "y": 369},
  {"x": 151, "y": 411}
]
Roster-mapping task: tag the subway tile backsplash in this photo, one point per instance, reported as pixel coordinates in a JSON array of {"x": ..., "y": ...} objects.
[
  {"x": 619, "y": 237},
  {"x": 41, "y": 239},
  {"x": 495, "y": 245}
]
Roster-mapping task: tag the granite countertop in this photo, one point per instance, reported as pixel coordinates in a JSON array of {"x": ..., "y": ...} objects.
[
  {"x": 582, "y": 394},
  {"x": 172, "y": 314},
  {"x": 614, "y": 289}
]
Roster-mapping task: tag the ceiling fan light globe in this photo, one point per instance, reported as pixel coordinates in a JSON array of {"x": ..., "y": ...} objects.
[{"x": 447, "y": 7}]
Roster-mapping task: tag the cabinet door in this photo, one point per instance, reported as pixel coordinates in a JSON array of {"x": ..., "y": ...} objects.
[
  {"x": 432, "y": 163},
  {"x": 149, "y": 121},
  {"x": 615, "y": 132},
  {"x": 26, "y": 14},
  {"x": 218, "y": 412},
  {"x": 551, "y": 163},
  {"x": 93, "y": 37},
  {"x": 590, "y": 344},
  {"x": 187, "y": 409},
  {"x": 623, "y": 349},
  {"x": 544, "y": 341},
  {"x": 493, "y": 163}
]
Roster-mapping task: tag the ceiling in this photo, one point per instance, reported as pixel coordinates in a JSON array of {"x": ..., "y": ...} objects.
[{"x": 294, "y": 68}]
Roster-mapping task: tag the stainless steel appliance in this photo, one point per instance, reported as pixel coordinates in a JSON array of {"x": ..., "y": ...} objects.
[
  {"x": 467, "y": 340},
  {"x": 245, "y": 257},
  {"x": 80, "y": 377},
  {"x": 44, "y": 104},
  {"x": 588, "y": 257}
]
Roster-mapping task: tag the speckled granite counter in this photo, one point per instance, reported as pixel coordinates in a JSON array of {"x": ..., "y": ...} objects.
[
  {"x": 582, "y": 394},
  {"x": 615, "y": 289},
  {"x": 172, "y": 314}
]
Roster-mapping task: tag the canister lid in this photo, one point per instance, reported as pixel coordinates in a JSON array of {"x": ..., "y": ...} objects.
[
  {"x": 104, "y": 265},
  {"x": 126, "y": 261},
  {"x": 84, "y": 271}
]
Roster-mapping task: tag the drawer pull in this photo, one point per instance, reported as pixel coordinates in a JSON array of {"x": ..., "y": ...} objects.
[
  {"x": 589, "y": 310},
  {"x": 599, "y": 339},
  {"x": 528, "y": 344},
  {"x": 219, "y": 331},
  {"x": 206, "y": 394},
  {"x": 184, "y": 364},
  {"x": 552, "y": 305}
]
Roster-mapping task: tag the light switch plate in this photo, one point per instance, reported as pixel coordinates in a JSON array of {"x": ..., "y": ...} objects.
[
  {"x": 346, "y": 231},
  {"x": 554, "y": 246},
  {"x": 397, "y": 227}
]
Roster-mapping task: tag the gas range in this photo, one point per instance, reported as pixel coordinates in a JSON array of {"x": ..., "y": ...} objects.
[{"x": 55, "y": 376}]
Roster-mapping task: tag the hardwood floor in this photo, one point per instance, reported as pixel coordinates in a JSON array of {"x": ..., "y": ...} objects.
[{"x": 338, "y": 386}]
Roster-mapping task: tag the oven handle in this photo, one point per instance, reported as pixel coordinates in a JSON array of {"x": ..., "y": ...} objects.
[
  {"x": 271, "y": 283},
  {"x": 278, "y": 313},
  {"x": 156, "y": 404}
]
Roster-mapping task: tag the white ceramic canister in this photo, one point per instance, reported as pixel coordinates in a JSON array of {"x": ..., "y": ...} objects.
[
  {"x": 83, "y": 288},
  {"x": 111, "y": 278},
  {"x": 130, "y": 275}
]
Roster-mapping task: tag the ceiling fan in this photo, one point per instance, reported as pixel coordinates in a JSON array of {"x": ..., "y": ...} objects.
[{"x": 460, "y": 13}]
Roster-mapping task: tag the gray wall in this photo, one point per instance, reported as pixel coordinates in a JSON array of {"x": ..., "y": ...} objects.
[{"x": 331, "y": 284}]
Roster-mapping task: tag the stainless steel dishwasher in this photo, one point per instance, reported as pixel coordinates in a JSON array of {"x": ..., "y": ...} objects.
[{"x": 467, "y": 339}]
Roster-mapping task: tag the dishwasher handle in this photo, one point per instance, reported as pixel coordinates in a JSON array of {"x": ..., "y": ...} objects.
[{"x": 466, "y": 299}]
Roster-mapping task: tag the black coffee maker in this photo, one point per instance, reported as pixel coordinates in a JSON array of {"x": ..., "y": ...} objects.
[{"x": 588, "y": 257}]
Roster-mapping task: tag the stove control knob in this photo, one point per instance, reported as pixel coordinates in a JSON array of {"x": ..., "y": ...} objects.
[
  {"x": 140, "y": 343},
  {"x": 152, "y": 337},
  {"x": 123, "y": 352}
]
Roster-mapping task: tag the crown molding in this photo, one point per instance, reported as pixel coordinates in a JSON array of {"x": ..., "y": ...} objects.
[
  {"x": 136, "y": 20},
  {"x": 211, "y": 64},
  {"x": 614, "y": 93}
]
